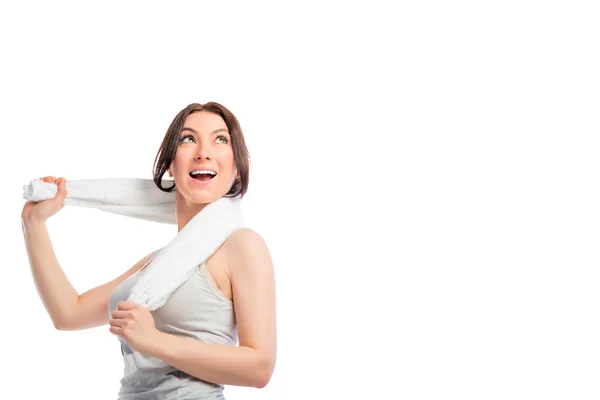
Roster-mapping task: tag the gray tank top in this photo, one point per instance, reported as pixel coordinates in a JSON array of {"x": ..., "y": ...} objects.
[{"x": 196, "y": 310}]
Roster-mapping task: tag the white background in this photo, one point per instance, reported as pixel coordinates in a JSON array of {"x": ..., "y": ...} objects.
[{"x": 425, "y": 176}]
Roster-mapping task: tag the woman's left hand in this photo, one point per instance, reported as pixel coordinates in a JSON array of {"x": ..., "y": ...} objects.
[{"x": 134, "y": 324}]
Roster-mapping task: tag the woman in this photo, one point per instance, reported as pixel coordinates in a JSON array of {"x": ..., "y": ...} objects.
[{"x": 187, "y": 348}]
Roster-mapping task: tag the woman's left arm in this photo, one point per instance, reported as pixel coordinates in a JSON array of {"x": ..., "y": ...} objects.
[{"x": 253, "y": 361}]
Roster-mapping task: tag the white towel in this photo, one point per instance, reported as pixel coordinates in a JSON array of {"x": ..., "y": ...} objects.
[
  {"x": 140, "y": 198},
  {"x": 132, "y": 197}
]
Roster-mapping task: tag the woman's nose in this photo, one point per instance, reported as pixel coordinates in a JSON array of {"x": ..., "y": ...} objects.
[{"x": 203, "y": 151}]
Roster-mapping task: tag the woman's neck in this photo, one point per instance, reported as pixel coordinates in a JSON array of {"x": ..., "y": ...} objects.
[{"x": 186, "y": 210}]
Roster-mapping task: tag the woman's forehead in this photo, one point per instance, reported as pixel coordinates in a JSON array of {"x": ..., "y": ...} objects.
[{"x": 204, "y": 121}]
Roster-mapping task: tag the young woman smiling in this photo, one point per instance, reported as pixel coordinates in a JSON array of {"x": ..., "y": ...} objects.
[{"x": 217, "y": 328}]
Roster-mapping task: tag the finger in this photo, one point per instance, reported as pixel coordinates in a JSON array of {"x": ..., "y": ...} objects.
[
  {"x": 48, "y": 179},
  {"x": 61, "y": 191},
  {"x": 115, "y": 330},
  {"x": 118, "y": 322},
  {"x": 60, "y": 182},
  {"x": 127, "y": 305},
  {"x": 119, "y": 314}
]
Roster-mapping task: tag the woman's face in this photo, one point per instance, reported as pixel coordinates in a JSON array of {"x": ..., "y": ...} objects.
[{"x": 204, "y": 144}]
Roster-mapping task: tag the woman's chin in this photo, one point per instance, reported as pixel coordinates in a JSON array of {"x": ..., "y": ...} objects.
[
  {"x": 202, "y": 196},
  {"x": 201, "y": 193}
]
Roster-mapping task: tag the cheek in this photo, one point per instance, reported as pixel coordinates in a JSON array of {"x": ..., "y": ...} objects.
[
  {"x": 226, "y": 159},
  {"x": 179, "y": 159}
]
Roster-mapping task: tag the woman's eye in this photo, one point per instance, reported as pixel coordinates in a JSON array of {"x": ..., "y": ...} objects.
[{"x": 223, "y": 139}]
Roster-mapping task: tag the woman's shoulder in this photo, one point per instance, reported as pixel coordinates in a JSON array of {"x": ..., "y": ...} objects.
[
  {"x": 245, "y": 239},
  {"x": 245, "y": 248},
  {"x": 245, "y": 234}
]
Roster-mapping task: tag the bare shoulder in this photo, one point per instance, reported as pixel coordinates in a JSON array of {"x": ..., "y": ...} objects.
[
  {"x": 246, "y": 237},
  {"x": 246, "y": 240},
  {"x": 247, "y": 248}
]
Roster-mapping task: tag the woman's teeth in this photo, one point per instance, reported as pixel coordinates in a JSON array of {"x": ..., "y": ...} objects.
[{"x": 202, "y": 175}]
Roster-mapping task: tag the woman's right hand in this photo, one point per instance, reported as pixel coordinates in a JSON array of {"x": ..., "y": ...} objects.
[{"x": 42, "y": 210}]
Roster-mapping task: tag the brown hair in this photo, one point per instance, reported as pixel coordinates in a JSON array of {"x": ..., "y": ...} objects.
[{"x": 170, "y": 143}]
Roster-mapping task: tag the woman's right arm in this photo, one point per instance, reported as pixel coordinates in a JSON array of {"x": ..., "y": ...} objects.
[
  {"x": 55, "y": 290},
  {"x": 67, "y": 309}
]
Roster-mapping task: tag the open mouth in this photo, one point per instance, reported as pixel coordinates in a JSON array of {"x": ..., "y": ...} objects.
[{"x": 203, "y": 176}]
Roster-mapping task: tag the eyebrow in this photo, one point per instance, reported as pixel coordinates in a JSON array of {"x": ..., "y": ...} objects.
[{"x": 212, "y": 133}]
